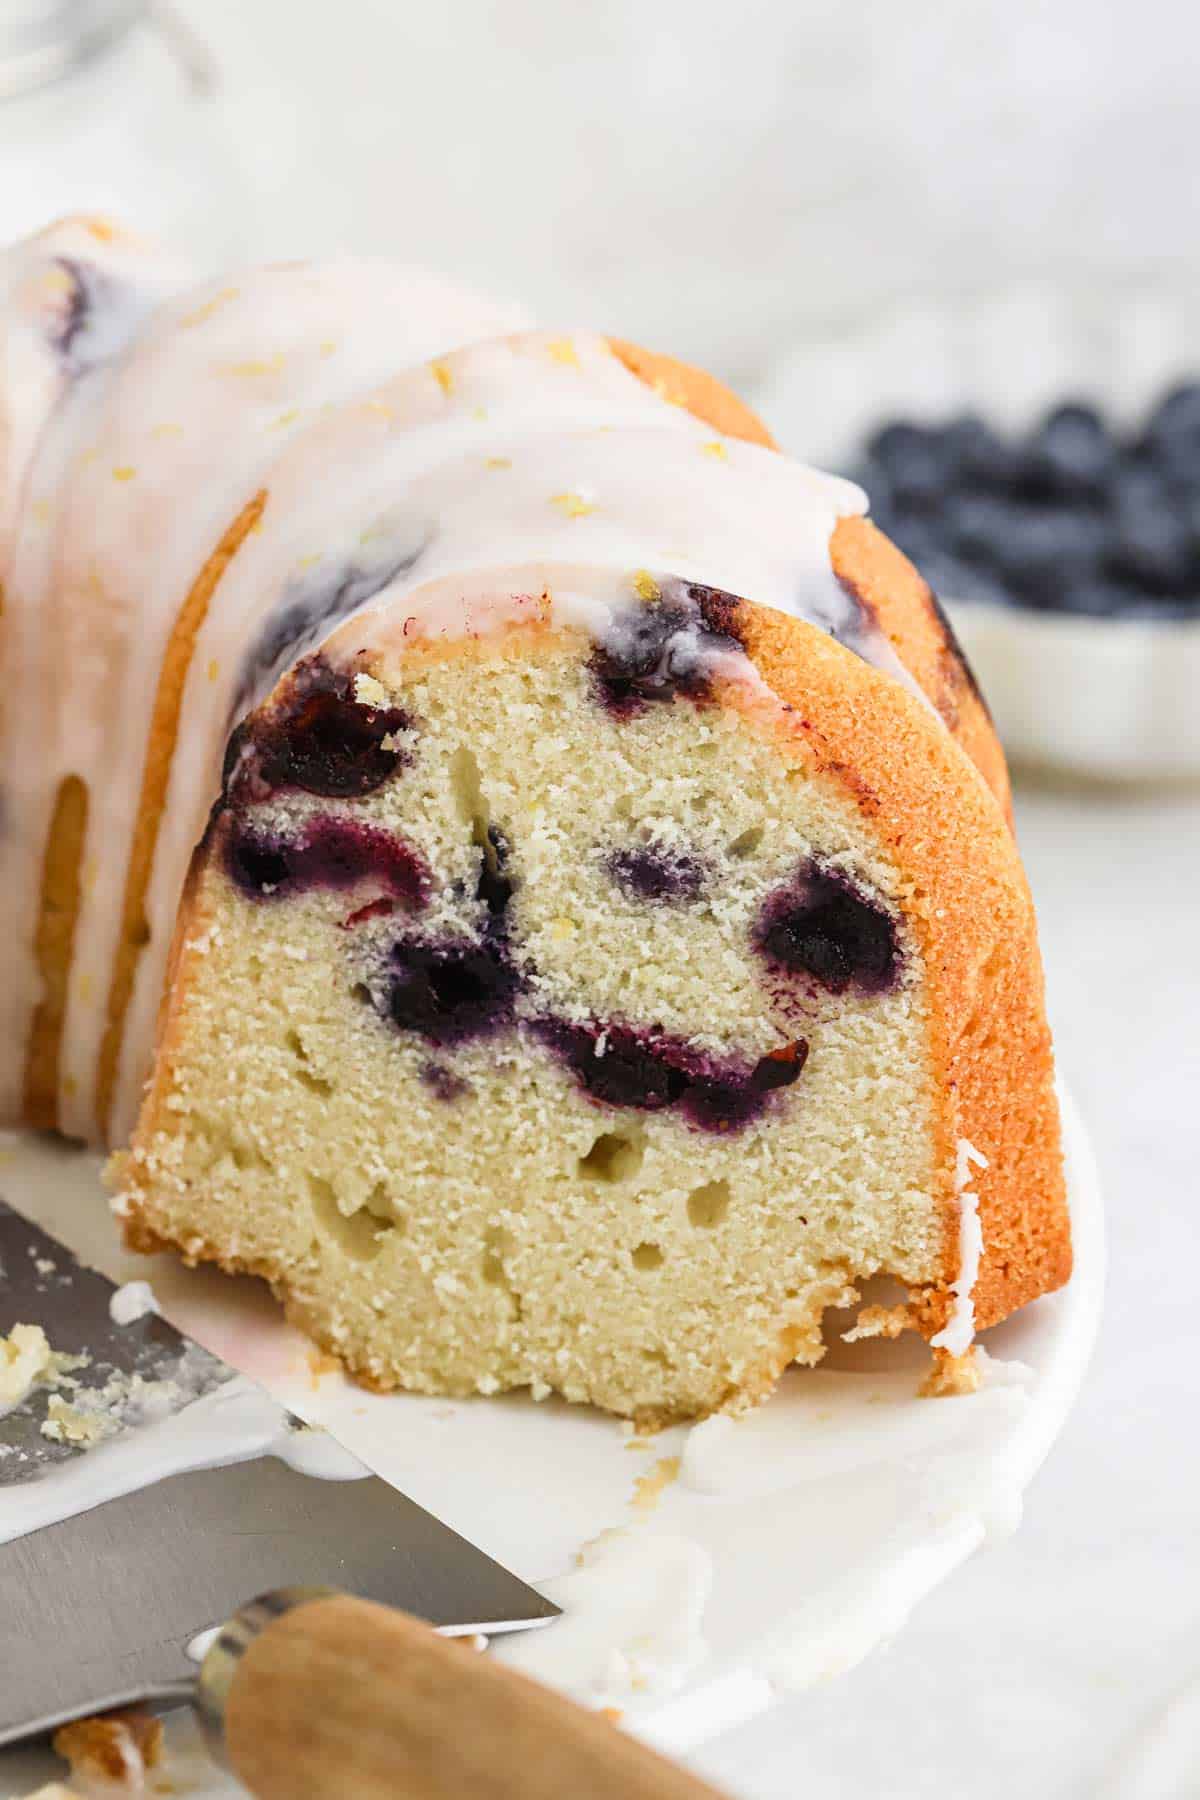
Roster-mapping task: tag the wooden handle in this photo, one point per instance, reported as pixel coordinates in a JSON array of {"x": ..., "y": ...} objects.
[{"x": 340, "y": 1699}]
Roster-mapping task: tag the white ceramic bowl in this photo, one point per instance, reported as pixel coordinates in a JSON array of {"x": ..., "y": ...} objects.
[{"x": 1117, "y": 699}]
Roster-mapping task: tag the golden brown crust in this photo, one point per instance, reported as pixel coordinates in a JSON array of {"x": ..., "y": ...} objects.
[
  {"x": 54, "y": 937},
  {"x": 906, "y": 609},
  {"x": 701, "y": 394},
  {"x": 156, "y": 773},
  {"x": 967, "y": 900}
]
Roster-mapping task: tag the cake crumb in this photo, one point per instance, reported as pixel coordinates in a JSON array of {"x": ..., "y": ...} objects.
[
  {"x": 369, "y": 692},
  {"x": 118, "y": 1747},
  {"x": 320, "y": 1364},
  {"x": 67, "y": 1424},
  {"x": 649, "y": 1488},
  {"x": 879, "y": 1322},
  {"x": 950, "y": 1375},
  {"x": 25, "y": 1359}
]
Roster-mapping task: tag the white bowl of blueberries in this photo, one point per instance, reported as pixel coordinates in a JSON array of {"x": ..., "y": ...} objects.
[{"x": 1039, "y": 461}]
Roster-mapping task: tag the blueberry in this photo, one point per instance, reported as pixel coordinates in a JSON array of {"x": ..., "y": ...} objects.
[
  {"x": 1070, "y": 456},
  {"x": 450, "y": 991},
  {"x": 649, "y": 1071},
  {"x": 976, "y": 456},
  {"x": 656, "y": 874},
  {"x": 329, "y": 852},
  {"x": 1096, "y": 597},
  {"x": 913, "y": 458},
  {"x": 664, "y": 648},
  {"x": 1152, "y": 546},
  {"x": 977, "y": 526},
  {"x": 825, "y": 925},
  {"x": 956, "y": 578},
  {"x": 257, "y": 866},
  {"x": 319, "y": 739},
  {"x": 919, "y": 538},
  {"x": 1172, "y": 435},
  {"x": 882, "y": 505},
  {"x": 495, "y": 885},
  {"x": 1050, "y": 547},
  {"x": 443, "y": 1083}
]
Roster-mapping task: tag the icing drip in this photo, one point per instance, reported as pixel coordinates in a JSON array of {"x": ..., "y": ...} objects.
[
  {"x": 232, "y": 1423},
  {"x": 958, "y": 1333}
]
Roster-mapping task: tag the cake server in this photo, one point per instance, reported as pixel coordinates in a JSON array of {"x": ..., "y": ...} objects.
[
  {"x": 101, "y": 1588},
  {"x": 130, "y": 1570}
]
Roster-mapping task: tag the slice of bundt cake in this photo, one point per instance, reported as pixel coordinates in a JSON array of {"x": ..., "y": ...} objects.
[{"x": 607, "y": 948}]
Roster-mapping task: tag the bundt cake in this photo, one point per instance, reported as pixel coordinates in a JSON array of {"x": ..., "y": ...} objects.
[{"x": 599, "y": 943}]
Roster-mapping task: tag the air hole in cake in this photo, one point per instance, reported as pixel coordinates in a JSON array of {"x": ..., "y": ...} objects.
[
  {"x": 747, "y": 843},
  {"x": 708, "y": 1206},
  {"x": 649, "y": 1070},
  {"x": 612, "y": 1157},
  {"x": 657, "y": 874},
  {"x": 360, "y": 1235},
  {"x": 303, "y": 1071},
  {"x": 379, "y": 1204},
  {"x": 648, "y": 1256},
  {"x": 450, "y": 991},
  {"x": 495, "y": 885},
  {"x": 664, "y": 648},
  {"x": 247, "y": 1156},
  {"x": 826, "y": 925},
  {"x": 320, "y": 739},
  {"x": 497, "y": 1245},
  {"x": 328, "y": 853}
]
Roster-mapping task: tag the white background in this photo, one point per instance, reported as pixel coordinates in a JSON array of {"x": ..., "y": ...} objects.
[{"x": 719, "y": 179}]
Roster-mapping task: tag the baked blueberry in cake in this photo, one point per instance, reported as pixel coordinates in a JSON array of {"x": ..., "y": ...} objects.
[{"x": 532, "y": 875}]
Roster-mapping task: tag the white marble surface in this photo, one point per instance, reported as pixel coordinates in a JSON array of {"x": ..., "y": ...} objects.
[{"x": 1028, "y": 1671}]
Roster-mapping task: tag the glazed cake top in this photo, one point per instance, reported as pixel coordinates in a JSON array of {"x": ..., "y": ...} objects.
[{"x": 201, "y": 484}]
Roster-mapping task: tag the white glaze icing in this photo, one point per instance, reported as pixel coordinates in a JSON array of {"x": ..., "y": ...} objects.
[
  {"x": 123, "y": 471},
  {"x": 633, "y": 1609},
  {"x": 525, "y": 474},
  {"x": 958, "y": 1333},
  {"x": 131, "y": 1302},
  {"x": 233, "y": 1423},
  {"x": 791, "y": 1444}
]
